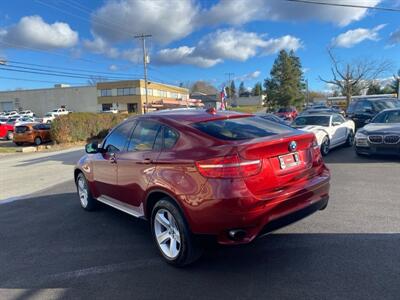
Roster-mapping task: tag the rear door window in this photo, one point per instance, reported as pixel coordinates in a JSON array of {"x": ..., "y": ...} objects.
[{"x": 241, "y": 128}]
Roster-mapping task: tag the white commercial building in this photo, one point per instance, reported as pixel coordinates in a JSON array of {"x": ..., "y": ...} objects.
[{"x": 40, "y": 101}]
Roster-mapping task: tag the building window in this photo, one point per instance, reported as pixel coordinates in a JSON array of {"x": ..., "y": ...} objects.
[
  {"x": 150, "y": 92},
  {"x": 105, "y": 93},
  {"x": 132, "y": 108},
  {"x": 125, "y": 91},
  {"x": 156, "y": 93},
  {"x": 106, "y": 106}
]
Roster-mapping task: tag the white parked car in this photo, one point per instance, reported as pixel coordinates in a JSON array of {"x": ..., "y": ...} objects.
[
  {"x": 330, "y": 129},
  {"x": 27, "y": 113},
  {"x": 11, "y": 114},
  {"x": 109, "y": 111},
  {"x": 25, "y": 119},
  {"x": 49, "y": 117},
  {"x": 60, "y": 111}
]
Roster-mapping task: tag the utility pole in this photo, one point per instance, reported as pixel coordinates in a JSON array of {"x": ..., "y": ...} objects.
[
  {"x": 229, "y": 74},
  {"x": 307, "y": 94},
  {"x": 145, "y": 61},
  {"x": 398, "y": 88}
]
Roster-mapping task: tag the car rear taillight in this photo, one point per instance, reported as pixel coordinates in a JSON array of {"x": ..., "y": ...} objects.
[
  {"x": 228, "y": 167},
  {"x": 317, "y": 157}
]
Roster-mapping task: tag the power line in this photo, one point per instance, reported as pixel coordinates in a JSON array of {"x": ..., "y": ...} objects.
[
  {"x": 94, "y": 73},
  {"x": 390, "y": 9},
  {"x": 37, "y": 80},
  {"x": 65, "y": 73}
]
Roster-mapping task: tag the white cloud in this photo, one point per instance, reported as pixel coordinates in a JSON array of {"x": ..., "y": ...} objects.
[
  {"x": 113, "y": 68},
  {"x": 230, "y": 44},
  {"x": 356, "y": 36},
  {"x": 32, "y": 31},
  {"x": 249, "y": 76},
  {"x": 134, "y": 55},
  {"x": 395, "y": 37},
  {"x": 100, "y": 46},
  {"x": 286, "y": 42},
  {"x": 238, "y": 12},
  {"x": 184, "y": 55},
  {"x": 120, "y": 20}
]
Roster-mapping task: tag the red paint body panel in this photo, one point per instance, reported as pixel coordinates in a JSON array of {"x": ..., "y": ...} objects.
[
  {"x": 213, "y": 206},
  {"x": 4, "y": 129}
]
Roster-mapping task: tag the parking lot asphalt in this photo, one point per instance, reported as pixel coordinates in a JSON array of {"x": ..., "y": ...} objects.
[
  {"x": 51, "y": 249},
  {"x": 22, "y": 174}
]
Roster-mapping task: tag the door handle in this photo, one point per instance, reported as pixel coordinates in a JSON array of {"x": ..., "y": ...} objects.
[{"x": 113, "y": 159}]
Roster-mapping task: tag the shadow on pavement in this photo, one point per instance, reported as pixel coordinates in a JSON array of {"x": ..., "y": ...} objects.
[
  {"x": 49, "y": 242},
  {"x": 348, "y": 155},
  {"x": 66, "y": 158}
]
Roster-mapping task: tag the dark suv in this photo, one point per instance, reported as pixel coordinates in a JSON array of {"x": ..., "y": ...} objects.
[{"x": 363, "y": 110}]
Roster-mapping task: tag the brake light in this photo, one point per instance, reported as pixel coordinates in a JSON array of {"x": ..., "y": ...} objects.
[
  {"x": 228, "y": 167},
  {"x": 317, "y": 157}
]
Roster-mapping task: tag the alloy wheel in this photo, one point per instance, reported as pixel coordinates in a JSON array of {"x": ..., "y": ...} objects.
[
  {"x": 167, "y": 233},
  {"x": 83, "y": 191}
]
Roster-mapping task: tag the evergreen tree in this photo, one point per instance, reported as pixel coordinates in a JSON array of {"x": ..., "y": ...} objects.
[
  {"x": 257, "y": 89},
  {"x": 232, "y": 90},
  {"x": 284, "y": 87},
  {"x": 242, "y": 90}
]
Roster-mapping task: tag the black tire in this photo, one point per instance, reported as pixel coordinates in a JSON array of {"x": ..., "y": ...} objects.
[
  {"x": 325, "y": 146},
  {"x": 37, "y": 141},
  {"x": 10, "y": 135},
  {"x": 91, "y": 203},
  {"x": 190, "y": 250},
  {"x": 350, "y": 139},
  {"x": 19, "y": 143}
]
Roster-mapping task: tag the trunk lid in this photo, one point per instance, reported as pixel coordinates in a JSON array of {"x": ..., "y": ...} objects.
[{"x": 287, "y": 159}]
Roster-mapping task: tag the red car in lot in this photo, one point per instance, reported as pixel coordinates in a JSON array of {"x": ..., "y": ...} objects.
[
  {"x": 196, "y": 174},
  {"x": 7, "y": 130},
  {"x": 287, "y": 113}
]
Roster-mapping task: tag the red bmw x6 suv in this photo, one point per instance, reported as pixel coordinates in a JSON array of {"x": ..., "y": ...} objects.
[{"x": 201, "y": 173}]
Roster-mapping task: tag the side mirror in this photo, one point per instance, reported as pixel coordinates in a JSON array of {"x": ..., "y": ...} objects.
[{"x": 92, "y": 148}]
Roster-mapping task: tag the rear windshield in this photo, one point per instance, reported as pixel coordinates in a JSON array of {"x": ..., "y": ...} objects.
[
  {"x": 311, "y": 120},
  {"x": 385, "y": 104},
  {"x": 21, "y": 129},
  {"x": 241, "y": 128},
  {"x": 283, "y": 110}
]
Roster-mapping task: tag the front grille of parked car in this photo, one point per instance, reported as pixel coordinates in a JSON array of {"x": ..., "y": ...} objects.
[
  {"x": 391, "y": 139},
  {"x": 375, "y": 139}
]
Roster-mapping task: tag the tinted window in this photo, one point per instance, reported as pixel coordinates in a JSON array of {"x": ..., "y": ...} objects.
[
  {"x": 388, "y": 117},
  {"x": 144, "y": 136},
  {"x": 311, "y": 120},
  {"x": 337, "y": 119},
  {"x": 117, "y": 140},
  {"x": 352, "y": 107},
  {"x": 170, "y": 137},
  {"x": 363, "y": 106},
  {"x": 241, "y": 128},
  {"x": 385, "y": 104}
]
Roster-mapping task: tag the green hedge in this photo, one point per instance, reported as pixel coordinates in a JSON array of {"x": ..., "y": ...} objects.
[{"x": 77, "y": 127}]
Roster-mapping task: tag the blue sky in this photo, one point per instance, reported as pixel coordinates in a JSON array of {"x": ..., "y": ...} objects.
[{"x": 192, "y": 39}]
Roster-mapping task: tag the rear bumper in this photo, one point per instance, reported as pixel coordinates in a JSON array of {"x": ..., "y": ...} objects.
[
  {"x": 23, "y": 138},
  {"x": 257, "y": 216}
]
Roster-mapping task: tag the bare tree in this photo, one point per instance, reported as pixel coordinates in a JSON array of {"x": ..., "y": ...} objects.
[
  {"x": 354, "y": 76},
  {"x": 95, "y": 79}
]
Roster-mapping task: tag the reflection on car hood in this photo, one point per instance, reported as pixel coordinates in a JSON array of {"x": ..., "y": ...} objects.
[
  {"x": 382, "y": 128},
  {"x": 311, "y": 128}
]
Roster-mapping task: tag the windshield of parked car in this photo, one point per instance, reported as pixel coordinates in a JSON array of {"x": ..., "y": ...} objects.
[
  {"x": 387, "y": 117},
  {"x": 241, "y": 128},
  {"x": 385, "y": 104},
  {"x": 311, "y": 120},
  {"x": 49, "y": 115},
  {"x": 284, "y": 110}
]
